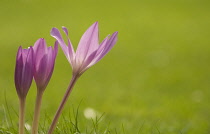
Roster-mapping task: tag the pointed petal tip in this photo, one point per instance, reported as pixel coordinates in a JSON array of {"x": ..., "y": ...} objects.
[
  {"x": 20, "y": 47},
  {"x": 53, "y": 31},
  {"x": 19, "y": 52},
  {"x": 65, "y": 30},
  {"x": 115, "y": 33},
  {"x": 41, "y": 40},
  {"x": 96, "y": 23},
  {"x": 53, "y": 28}
]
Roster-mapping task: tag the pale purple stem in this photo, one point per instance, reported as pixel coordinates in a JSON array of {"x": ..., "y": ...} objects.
[
  {"x": 37, "y": 111},
  {"x": 65, "y": 98},
  {"x": 21, "y": 115}
]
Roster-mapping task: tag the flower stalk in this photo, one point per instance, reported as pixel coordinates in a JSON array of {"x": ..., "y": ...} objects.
[
  {"x": 21, "y": 115},
  {"x": 37, "y": 111},
  {"x": 63, "y": 102}
]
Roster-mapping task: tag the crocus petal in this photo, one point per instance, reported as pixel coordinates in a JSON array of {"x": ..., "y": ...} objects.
[
  {"x": 88, "y": 43},
  {"x": 18, "y": 70},
  {"x": 56, "y": 34},
  {"x": 87, "y": 62},
  {"x": 91, "y": 60},
  {"x": 111, "y": 42},
  {"x": 70, "y": 47},
  {"x": 50, "y": 61},
  {"x": 40, "y": 49},
  {"x": 40, "y": 73},
  {"x": 104, "y": 48},
  {"x": 50, "y": 65},
  {"x": 28, "y": 71}
]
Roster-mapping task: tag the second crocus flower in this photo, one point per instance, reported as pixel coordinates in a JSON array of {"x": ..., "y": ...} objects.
[{"x": 44, "y": 60}]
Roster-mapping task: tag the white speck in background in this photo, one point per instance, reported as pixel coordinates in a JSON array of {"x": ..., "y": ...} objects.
[
  {"x": 27, "y": 126},
  {"x": 90, "y": 113}
]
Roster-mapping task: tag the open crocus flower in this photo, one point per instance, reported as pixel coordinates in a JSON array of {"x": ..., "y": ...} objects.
[
  {"x": 44, "y": 58},
  {"x": 23, "y": 71},
  {"x": 89, "y": 52},
  {"x": 23, "y": 78}
]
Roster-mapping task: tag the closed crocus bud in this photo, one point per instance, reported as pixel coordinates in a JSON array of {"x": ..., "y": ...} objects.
[
  {"x": 24, "y": 71},
  {"x": 23, "y": 78},
  {"x": 44, "y": 59}
]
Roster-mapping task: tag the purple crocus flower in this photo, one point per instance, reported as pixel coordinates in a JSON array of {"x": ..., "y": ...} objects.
[
  {"x": 89, "y": 52},
  {"x": 23, "y": 78},
  {"x": 44, "y": 58},
  {"x": 23, "y": 71}
]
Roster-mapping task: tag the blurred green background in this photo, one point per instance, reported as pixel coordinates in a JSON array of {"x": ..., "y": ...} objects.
[{"x": 156, "y": 77}]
